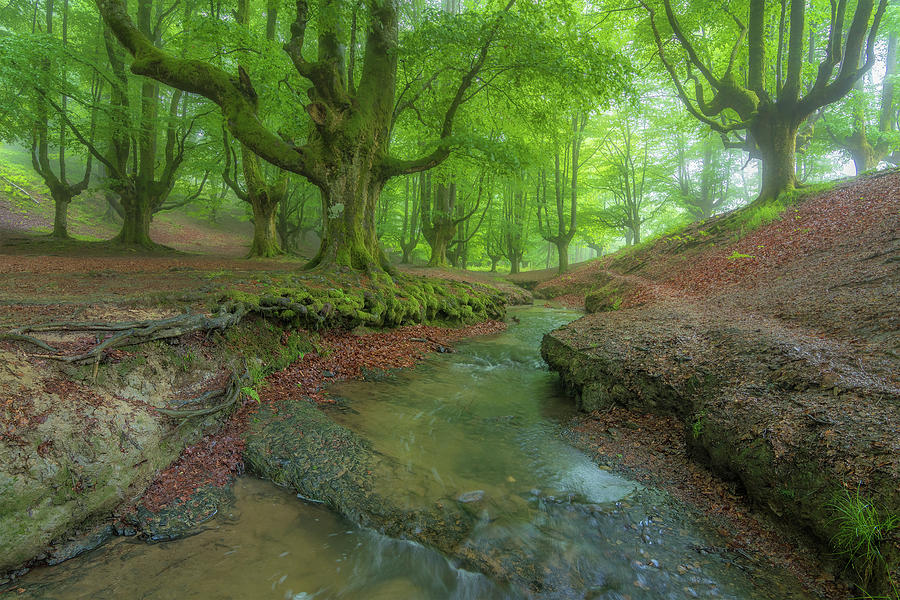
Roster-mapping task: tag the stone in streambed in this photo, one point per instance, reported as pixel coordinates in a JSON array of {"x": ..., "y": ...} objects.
[{"x": 473, "y": 496}]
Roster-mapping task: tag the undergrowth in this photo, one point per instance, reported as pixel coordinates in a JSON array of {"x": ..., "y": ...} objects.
[{"x": 861, "y": 530}]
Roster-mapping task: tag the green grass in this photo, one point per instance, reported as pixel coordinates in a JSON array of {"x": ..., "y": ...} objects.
[
  {"x": 861, "y": 528},
  {"x": 757, "y": 214}
]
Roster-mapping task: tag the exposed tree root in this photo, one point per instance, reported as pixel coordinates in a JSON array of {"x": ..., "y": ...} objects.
[
  {"x": 129, "y": 333},
  {"x": 231, "y": 393},
  {"x": 18, "y": 337}
]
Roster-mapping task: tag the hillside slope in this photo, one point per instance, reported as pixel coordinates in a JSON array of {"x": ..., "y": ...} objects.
[{"x": 775, "y": 342}]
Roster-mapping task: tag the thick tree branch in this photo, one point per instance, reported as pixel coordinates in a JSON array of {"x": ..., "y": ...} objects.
[
  {"x": 237, "y": 104},
  {"x": 825, "y": 91}
]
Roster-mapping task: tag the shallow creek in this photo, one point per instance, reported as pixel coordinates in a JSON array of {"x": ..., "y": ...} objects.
[{"x": 481, "y": 427}]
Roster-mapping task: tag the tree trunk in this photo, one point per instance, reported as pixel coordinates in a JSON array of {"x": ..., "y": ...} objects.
[
  {"x": 137, "y": 207},
  {"x": 440, "y": 237},
  {"x": 776, "y": 137},
  {"x": 494, "y": 261},
  {"x": 514, "y": 265},
  {"x": 61, "y": 202},
  {"x": 562, "y": 249},
  {"x": 861, "y": 151},
  {"x": 265, "y": 235},
  {"x": 349, "y": 198},
  {"x": 863, "y": 158}
]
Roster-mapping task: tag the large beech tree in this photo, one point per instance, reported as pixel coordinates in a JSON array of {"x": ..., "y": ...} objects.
[
  {"x": 769, "y": 105},
  {"x": 347, "y": 152}
]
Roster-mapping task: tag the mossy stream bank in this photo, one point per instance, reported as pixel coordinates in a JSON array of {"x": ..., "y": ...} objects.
[{"x": 81, "y": 443}]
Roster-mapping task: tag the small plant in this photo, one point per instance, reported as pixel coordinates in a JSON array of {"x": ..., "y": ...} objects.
[
  {"x": 860, "y": 531},
  {"x": 697, "y": 424},
  {"x": 737, "y": 255},
  {"x": 250, "y": 392}
]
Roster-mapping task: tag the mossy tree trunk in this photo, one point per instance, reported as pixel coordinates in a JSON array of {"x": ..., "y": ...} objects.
[
  {"x": 776, "y": 137},
  {"x": 264, "y": 195},
  {"x": 347, "y": 153},
  {"x": 137, "y": 208},
  {"x": 438, "y": 222},
  {"x": 349, "y": 198}
]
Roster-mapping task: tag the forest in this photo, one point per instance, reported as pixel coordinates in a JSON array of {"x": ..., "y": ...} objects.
[
  {"x": 457, "y": 299},
  {"x": 515, "y": 137}
]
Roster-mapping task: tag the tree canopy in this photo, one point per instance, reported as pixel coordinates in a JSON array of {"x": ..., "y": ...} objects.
[{"x": 467, "y": 134}]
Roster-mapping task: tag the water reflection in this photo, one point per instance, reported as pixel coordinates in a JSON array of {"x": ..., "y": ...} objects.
[{"x": 269, "y": 546}]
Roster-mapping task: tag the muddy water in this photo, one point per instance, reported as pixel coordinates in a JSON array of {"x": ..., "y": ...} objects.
[{"x": 480, "y": 427}]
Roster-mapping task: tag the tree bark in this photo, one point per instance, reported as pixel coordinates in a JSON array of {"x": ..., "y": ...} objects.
[
  {"x": 775, "y": 135},
  {"x": 61, "y": 202},
  {"x": 265, "y": 234},
  {"x": 514, "y": 265},
  {"x": 350, "y": 196},
  {"x": 137, "y": 207},
  {"x": 562, "y": 251}
]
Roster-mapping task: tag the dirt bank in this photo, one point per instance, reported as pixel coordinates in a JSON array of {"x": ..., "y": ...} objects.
[{"x": 774, "y": 343}]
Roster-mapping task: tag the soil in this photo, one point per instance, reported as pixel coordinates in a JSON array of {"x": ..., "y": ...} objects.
[{"x": 768, "y": 353}]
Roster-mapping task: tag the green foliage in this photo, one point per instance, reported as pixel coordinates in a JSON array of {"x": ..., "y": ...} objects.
[
  {"x": 250, "y": 392},
  {"x": 697, "y": 424},
  {"x": 861, "y": 529}
]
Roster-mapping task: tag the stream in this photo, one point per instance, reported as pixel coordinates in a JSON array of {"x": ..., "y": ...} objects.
[{"x": 482, "y": 426}]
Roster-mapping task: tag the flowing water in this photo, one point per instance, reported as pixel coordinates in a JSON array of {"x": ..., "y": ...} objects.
[{"x": 480, "y": 427}]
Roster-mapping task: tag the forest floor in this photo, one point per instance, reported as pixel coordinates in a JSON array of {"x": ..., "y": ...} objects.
[{"x": 763, "y": 343}]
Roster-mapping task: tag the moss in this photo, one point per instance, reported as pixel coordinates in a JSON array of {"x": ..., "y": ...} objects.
[{"x": 607, "y": 297}]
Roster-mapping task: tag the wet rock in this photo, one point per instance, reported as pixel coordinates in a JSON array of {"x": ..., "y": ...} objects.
[
  {"x": 182, "y": 518},
  {"x": 473, "y": 496},
  {"x": 80, "y": 544}
]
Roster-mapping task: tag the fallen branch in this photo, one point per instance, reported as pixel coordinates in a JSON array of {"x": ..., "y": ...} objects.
[
  {"x": 18, "y": 337},
  {"x": 21, "y": 189}
]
